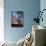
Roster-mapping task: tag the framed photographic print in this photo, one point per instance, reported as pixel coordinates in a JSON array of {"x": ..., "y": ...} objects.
[{"x": 17, "y": 19}]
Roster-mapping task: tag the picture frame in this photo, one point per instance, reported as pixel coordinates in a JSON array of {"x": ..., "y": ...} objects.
[{"x": 17, "y": 18}]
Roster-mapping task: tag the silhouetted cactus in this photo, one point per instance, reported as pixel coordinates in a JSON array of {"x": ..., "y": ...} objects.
[{"x": 39, "y": 16}]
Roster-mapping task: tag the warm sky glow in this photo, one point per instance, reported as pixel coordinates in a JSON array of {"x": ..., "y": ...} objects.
[{"x": 1, "y": 3}]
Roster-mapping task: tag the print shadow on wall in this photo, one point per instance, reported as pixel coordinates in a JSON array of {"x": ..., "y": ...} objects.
[{"x": 17, "y": 19}]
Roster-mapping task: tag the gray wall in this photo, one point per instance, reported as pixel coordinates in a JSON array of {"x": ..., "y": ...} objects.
[
  {"x": 29, "y": 7},
  {"x": 43, "y": 6}
]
